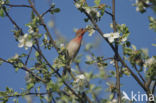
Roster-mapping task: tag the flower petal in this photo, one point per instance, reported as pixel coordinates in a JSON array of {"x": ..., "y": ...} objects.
[
  {"x": 107, "y": 35},
  {"x": 29, "y": 44},
  {"x": 116, "y": 35},
  {"x": 21, "y": 44},
  {"x": 111, "y": 40}
]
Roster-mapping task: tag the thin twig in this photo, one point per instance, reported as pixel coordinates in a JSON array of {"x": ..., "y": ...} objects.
[
  {"x": 44, "y": 25},
  {"x": 118, "y": 81},
  {"x": 153, "y": 88},
  {"x": 135, "y": 67},
  {"x": 26, "y": 69},
  {"x": 46, "y": 11},
  {"x": 12, "y": 21},
  {"x": 36, "y": 94},
  {"x": 109, "y": 13},
  {"x": 26, "y": 62},
  {"x": 13, "y": 5}
]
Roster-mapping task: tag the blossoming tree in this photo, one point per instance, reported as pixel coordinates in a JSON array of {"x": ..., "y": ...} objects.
[{"x": 44, "y": 79}]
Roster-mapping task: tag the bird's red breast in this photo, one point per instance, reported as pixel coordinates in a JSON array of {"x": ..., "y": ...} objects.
[{"x": 74, "y": 45}]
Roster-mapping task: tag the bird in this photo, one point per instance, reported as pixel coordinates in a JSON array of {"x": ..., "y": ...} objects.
[{"x": 73, "y": 48}]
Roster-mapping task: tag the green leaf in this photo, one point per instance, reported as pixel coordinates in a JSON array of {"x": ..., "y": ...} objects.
[
  {"x": 30, "y": 85},
  {"x": 153, "y": 44},
  {"x": 1, "y": 12},
  {"x": 56, "y": 10},
  {"x": 97, "y": 2}
]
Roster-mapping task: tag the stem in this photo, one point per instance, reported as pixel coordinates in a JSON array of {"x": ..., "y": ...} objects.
[
  {"x": 11, "y": 5},
  {"x": 12, "y": 21},
  {"x": 26, "y": 62},
  {"x": 118, "y": 81},
  {"x": 135, "y": 67},
  {"x": 116, "y": 55}
]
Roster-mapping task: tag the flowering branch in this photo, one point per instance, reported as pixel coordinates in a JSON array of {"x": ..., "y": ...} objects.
[
  {"x": 116, "y": 52},
  {"x": 44, "y": 25},
  {"x": 26, "y": 69}
]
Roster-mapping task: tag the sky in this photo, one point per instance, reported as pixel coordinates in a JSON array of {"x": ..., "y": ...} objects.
[{"x": 68, "y": 19}]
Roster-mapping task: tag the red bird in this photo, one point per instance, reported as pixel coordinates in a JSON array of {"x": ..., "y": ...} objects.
[{"x": 74, "y": 45}]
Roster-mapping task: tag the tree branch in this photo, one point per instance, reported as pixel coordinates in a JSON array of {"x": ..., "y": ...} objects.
[
  {"x": 113, "y": 48},
  {"x": 26, "y": 69},
  {"x": 46, "y": 11},
  {"x": 135, "y": 67},
  {"x": 59, "y": 75},
  {"x": 26, "y": 62},
  {"x": 12, "y": 5},
  {"x": 44, "y": 25},
  {"x": 12, "y": 21},
  {"x": 116, "y": 54}
]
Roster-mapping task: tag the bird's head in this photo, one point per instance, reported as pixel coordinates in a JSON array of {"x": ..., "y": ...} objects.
[{"x": 80, "y": 32}]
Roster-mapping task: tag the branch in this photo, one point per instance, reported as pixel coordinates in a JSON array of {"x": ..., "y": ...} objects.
[
  {"x": 12, "y": 21},
  {"x": 26, "y": 69},
  {"x": 135, "y": 67},
  {"x": 113, "y": 48},
  {"x": 109, "y": 13},
  {"x": 59, "y": 75},
  {"x": 12, "y": 5},
  {"x": 26, "y": 62},
  {"x": 36, "y": 94},
  {"x": 116, "y": 55},
  {"x": 44, "y": 25},
  {"x": 46, "y": 11},
  {"x": 153, "y": 88},
  {"x": 118, "y": 81}
]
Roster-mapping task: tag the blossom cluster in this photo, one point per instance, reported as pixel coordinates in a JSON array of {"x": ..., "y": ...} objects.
[
  {"x": 112, "y": 36},
  {"x": 80, "y": 83},
  {"x": 141, "y": 5},
  {"x": 92, "y": 11},
  {"x": 25, "y": 41}
]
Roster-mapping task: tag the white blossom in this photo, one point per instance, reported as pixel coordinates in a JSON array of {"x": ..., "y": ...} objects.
[
  {"x": 61, "y": 45},
  {"x": 75, "y": 29},
  {"x": 25, "y": 42},
  {"x": 149, "y": 61},
  {"x": 88, "y": 58},
  {"x": 80, "y": 77},
  {"x": 77, "y": 5},
  {"x": 147, "y": 1},
  {"x": 124, "y": 39},
  {"x": 16, "y": 56},
  {"x": 114, "y": 101},
  {"x": 30, "y": 30},
  {"x": 51, "y": 24},
  {"x": 80, "y": 83},
  {"x": 112, "y": 62},
  {"x": 90, "y": 29},
  {"x": 112, "y": 36},
  {"x": 88, "y": 9},
  {"x": 98, "y": 14},
  {"x": 1, "y": 2}
]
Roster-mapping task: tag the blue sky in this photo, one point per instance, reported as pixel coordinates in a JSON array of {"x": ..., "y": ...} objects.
[{"x": 66, "y": 20}]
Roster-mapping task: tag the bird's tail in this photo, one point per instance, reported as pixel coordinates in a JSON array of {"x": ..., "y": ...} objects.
[{"x": 67, "y": 69}]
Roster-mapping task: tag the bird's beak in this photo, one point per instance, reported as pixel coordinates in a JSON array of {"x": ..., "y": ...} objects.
[
  {"x": 84, "y": 31},
  {"x": 81, "y": 32}
]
